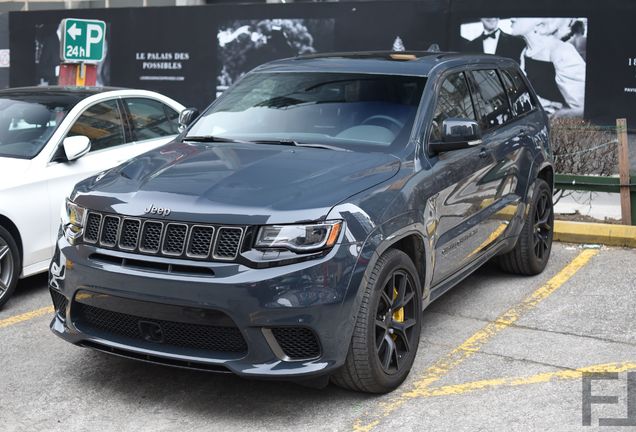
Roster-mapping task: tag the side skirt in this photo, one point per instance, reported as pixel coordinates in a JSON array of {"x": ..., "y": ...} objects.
[{"x": 462, "y": 274}]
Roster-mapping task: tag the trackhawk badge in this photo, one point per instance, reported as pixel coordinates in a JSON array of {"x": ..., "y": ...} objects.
[{"x": 151, "y": 209}]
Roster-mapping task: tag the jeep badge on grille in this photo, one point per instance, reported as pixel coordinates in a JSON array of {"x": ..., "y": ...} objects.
[{"x": 157, "y": 210}]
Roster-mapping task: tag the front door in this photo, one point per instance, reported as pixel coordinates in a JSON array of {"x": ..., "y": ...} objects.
[{"x": 462, "y": 177}]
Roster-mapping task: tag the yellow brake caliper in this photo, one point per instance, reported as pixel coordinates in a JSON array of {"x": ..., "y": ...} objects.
[{"x": 398, "y": 315}]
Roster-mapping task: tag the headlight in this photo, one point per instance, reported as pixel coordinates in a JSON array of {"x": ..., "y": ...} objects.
[
  {"x": 299, "y": 238},
  {"x": 74, "y": 223}
]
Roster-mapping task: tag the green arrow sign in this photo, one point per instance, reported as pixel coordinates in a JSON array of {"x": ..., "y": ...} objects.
[{"x": 82, "y": 40}]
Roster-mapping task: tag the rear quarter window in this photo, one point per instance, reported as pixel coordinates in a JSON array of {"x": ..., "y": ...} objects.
[{"x": 520, "y": 97}]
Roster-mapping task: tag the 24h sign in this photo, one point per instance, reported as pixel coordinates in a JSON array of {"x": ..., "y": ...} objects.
[{"x": 82, "y": 40}]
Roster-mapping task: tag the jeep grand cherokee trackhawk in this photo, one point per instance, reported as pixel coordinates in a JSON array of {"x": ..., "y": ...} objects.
[{"x": 297, "y": 228}]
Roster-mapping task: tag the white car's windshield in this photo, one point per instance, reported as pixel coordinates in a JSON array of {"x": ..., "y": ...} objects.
[
  {"x": 27, "y": 125},
  {"x": 359, "y": 112}
]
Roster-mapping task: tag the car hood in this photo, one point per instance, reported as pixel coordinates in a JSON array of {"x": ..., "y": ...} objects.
[
  {"x": 231, "y": 183},
  {"x": 13, "y": 172}
]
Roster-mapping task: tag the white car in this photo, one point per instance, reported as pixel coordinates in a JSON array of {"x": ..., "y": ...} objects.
[{"x": 50, "y": 139}]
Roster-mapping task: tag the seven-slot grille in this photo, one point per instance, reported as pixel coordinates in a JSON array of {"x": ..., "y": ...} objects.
[{"x": 174, "y": 239}]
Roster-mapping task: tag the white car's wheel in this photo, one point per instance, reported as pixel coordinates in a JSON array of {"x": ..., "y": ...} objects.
[{"x": 9, "y": 265}]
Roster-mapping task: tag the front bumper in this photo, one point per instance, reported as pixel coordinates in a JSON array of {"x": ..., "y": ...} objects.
[{"x": 316, "y": 297}]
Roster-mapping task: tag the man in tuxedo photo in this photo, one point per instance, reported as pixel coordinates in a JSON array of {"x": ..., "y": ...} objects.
[{"x": 494, "y": 41}]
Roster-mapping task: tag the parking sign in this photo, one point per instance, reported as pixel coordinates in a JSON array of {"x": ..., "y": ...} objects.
[{"x": 82, "y": 40}]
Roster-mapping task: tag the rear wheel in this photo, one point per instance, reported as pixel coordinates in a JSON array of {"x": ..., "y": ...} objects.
[
  {"x": 532, "y": 251},
  {"x": 387, "y": 329},
  {"x": 9, "y": 265}
]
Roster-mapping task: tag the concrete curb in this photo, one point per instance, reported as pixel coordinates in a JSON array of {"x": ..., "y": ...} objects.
[{"x": 583, "y": 232}]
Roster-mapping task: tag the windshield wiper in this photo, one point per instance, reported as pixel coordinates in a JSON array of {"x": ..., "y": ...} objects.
[
  {"x": 213, "y": 139},
  {"x": 287, "y": 142},
  {"x": 293, "y": 143}
]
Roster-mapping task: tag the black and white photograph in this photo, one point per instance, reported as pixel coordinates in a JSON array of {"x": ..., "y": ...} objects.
[
  {"x": 551, "y": 52},
  {"x": 47, "y": 56},
  {"x": 245, "y": 44}
]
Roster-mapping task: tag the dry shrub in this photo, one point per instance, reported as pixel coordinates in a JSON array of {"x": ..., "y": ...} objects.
[{"x": 582, "y": 148}]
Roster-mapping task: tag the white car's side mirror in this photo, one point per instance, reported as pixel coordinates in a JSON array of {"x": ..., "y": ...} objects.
[{"x": 76, "y": 146}]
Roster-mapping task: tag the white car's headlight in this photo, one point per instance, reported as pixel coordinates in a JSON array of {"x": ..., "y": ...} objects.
[
  {"x": 299, "y": 238},
  {"x": 74, "y": 223}
]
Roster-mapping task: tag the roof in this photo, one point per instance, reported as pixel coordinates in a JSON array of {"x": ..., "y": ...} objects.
[
  {"x": 68, "y": 96},
  {"x": 60, "y": 90},
  {"x": 417, "y": 63}
]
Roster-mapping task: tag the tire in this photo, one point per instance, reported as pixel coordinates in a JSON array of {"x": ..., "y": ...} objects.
[
  {"x": 10, "y": 265},
  {"x": 385, "y": 340},
  {"x": 532, "y": 251}
]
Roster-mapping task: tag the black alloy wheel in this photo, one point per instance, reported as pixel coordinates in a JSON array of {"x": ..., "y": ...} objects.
[
  {"x": 543, "y": 225},
  {"x": 387, "y": 330},
  {"x": 395, "y": 321},
  {"x": 531, "y": 253}
]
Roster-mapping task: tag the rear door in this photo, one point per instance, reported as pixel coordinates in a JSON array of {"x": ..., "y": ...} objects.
[
  {"x": 528, "y": 127},
  {"x": 152, "y": 123},
  {"x": 502, "y": 137}
]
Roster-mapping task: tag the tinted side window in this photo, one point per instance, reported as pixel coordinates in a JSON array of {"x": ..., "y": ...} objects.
[
  {"x": 102, "y": 124},
  {"x": 491, "y": 99},
  {"x": 517, "y": 92},
  {"x": 453, "y": 101},
  {"x": 151, "y": 118}
]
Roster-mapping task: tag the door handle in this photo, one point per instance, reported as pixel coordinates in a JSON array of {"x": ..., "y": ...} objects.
[{"x": 483, "y": 153}]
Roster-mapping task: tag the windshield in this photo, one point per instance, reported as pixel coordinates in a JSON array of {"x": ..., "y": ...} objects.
[
  {"x": 359, "y": 112},
  {"x": 26, "y": 126}
]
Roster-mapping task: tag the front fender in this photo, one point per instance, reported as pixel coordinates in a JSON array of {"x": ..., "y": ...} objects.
[{"x": 378, "y": 239}]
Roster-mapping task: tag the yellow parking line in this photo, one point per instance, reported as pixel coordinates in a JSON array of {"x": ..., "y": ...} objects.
[
  {"x": 26, "y": 316},
  {"x": 570, "y": 374},
  {"x": 474, "y": 343}
]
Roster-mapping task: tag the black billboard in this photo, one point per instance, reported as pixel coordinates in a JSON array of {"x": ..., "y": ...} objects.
[{"x": 577, "y": 53}]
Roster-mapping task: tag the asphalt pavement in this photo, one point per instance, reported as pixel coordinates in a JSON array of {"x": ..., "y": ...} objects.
[{"x": 497, "y": 352}]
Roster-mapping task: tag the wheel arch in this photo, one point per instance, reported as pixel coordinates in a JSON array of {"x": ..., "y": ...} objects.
[
  {"x": 7, "y": 224},
  {"x": 413, "y": 245},
  {"x": 412, "y": 241},
  {"x": 547, "y": 173}
]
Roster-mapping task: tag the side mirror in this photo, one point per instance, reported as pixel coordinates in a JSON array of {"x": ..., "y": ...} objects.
[
  {"x": 76, "y": 146},
  {"x": 186, "y": 117},
  {"x": 457, "y": 133}
]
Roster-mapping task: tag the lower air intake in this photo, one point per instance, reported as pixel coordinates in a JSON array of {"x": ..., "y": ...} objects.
[
  {"x": 186, "y": 335},
  {"x": 59, "y": 303},
  {"x": 297, "y": 342}
]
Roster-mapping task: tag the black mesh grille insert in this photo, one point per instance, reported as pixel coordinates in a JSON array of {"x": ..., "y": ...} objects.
[
  {"x": 297, "y": 342},
  {"x": 151, "y": 237},
  {"x": 92, "y": 227},
  {"x": 200, "y": 241},
  {"x": 129, "y": 234},
  {"x": 109, "y": 231},
  {"x": 227, "y": 243},
  {"x": 59, "y": 302},
  {"x": 167, "y": 238},
  {"x": 195, "y": 336},
  {"x": 174, "y": 240}
]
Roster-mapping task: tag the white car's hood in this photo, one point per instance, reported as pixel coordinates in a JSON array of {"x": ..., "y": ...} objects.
[{"x": 13, "y": 171}]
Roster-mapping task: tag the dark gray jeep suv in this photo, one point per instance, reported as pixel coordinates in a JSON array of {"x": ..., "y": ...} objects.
[{"x": 298, "y": 227}]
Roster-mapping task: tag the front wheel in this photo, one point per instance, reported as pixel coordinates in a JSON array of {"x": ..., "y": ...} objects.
[
  {"x": 532, "y": 251},
  {"x": 387, "y": 328},
  {"x": 9, "y": 265}
]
